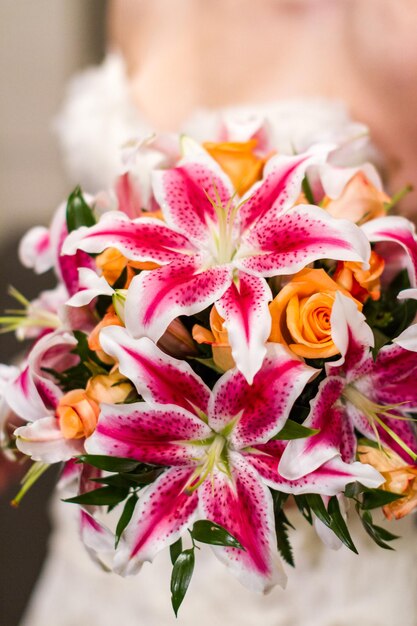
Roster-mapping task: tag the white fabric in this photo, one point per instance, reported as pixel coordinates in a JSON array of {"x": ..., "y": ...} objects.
[{"x": 327, "y": 588}]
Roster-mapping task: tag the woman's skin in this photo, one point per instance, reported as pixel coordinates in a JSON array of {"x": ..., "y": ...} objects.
[{"x": 181, "y": 54}]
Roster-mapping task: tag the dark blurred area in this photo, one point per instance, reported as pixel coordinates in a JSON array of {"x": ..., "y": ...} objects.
[{"x": 28, "y": 197}]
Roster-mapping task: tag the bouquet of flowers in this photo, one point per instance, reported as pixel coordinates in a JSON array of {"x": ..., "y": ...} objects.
[{"x": 231, "y": 334}]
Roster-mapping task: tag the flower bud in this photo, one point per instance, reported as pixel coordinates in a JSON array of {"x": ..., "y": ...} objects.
[{"x": 77, "y": 414}]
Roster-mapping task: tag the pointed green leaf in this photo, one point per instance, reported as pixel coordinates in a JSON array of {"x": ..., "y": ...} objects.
[
  {"x": 316, "y": 504},
  {"x": 293, "y": 430},
  {"x": 181, "y": 577},
  {"x": 78, "y": 211},
  {"x": 304, "y": 508},
  {"x": 103, "y": 496},
  {"x": 375, "y": 498},
  {"x": 209, "y": 532},
  {"x": 126, "y": 516},
  {"x": 338, "y": 524},
  {"x": 175, "y": 550},
  {"x": 378, "y": 534},
  {"x": 109, "y": 463},
  {"x": 283, "y": 541}
]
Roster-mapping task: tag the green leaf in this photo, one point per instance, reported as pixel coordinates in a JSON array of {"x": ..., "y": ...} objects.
[
  {"x": 102, "y": 496},
  {"x": 175, "y": 550},
  {"x": 316, "y": 504},
  {"x": 293, "y": 430},
  {"x": 353, "y": 490},
  {"x": 126, "y": 516},
  {"x": 209, "y": 532},
  {"x": 375, "y": 498},
  {"x": 78, "y": 211},
  {"x": 378, "y": 534},
  {"x": 304, "y": 508},
  {"x": 181, "y": 577},
  {"x": 130, "y": 479},
  {"x": 283, "y": 541},
  {"x": 279, "y": 498},
  {"x": 307, "y": 190},
  {"x": 109, "y": 463},
  {"x": 338, "y": 524}
]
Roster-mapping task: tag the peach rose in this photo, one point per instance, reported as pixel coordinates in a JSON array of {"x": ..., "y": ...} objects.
[
  {"x": 111, "y": 262},
  {"x": 399, "y": 477},
  {"x": 301, "y": 314},
  {"x": 360, "y": 201},
  {"x": 218, "y": 338},
  {"x": 362, "y": 284},
  {"x": 110, "y": 319},
  {"x": 111, "y": 388},
  {"x": 77, "y": 414},
  {"x": 240, "y": 162}
]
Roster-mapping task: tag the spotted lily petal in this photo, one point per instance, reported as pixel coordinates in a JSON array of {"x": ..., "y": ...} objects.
[
  {"x": 157, "y": 297},
  {"x": 98, "y": 540},
  {"x": 150, "y": 435},
  {"x": 143, "y": 239},
  {"x": 258, "y": 411},
  {"x": 329, "y": 479},
  {"x": 164, "y": 511},
  {"x": 244, "y": 307},
  {"x": 157, "y": 377},
  {"x": 298, "y": 237},
  {"x": 398, "y": 230},
  {"x": 243, "y": 506},
  {"x": 303, "y": 456}
]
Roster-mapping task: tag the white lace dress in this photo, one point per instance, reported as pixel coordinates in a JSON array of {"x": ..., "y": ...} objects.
[{"x": 327, "y": 588}]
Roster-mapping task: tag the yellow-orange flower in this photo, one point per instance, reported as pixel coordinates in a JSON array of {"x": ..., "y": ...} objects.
[
  {"x": 360, "y": 201},
  {"x": 362, "y": 284},
  {"x": 218, "y": 338},
  {"x": 77, "y": 414},
  {"x": 399, "y": 477},
  {"x": 111, "y": 388},
  {"x": 301, "y": 314},
  {"x": 111, "y": 262},
  {"x": 240, "y": 162}
]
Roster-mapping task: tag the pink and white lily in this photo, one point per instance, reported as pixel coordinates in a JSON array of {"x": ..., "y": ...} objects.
[
  {"x": 217, "y": 449},
  {"x": 371, "y": 396},
  {"x": 34, "y": 396},
  {"x": 215, "y": 249}
]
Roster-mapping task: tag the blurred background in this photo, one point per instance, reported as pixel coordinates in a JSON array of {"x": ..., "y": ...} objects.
[{"x": 42, "y": 44}]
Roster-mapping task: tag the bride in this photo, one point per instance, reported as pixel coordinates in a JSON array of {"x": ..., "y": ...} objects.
[{"x": 174, "y": 58}]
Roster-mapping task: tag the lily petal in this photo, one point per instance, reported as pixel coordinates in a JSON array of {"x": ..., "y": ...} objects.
[
  {"x": 298, "y": 237},
  {"x": 157, "y": 297},
  {"x": 43, "y": 441},
  {"x": 143, "y": 239},
  {"x": 244, "y": 307},
  {"x": 259, "y": 410},
  {"x": 158, "y": 378},
  {"x": 243, "y": 506},
  {"x": 398, "y": 230},
  {"x": 350, "y": 333},
  {"x": 164, "y": 511},
  {"x": 91, "y": 286},
  {"x": 98, "y": 540},
  {"x": 151, "y": 435}
]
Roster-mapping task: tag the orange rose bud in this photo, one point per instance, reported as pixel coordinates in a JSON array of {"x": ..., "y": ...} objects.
[
  {"x": 110, "y": 319},
  {"x": 360, "y": 201},
  {"x": 301, "y": 314},
  {"x": 239, "y": 161},
  {"x": 400, "y": 478},
  {"x": 111, "y": 262},
  {"x": 218, "y": 338},
  {"x": 362, "y": 284},
  {"x": 77, "y": 414},
  {"x": 110, "y": 388}
]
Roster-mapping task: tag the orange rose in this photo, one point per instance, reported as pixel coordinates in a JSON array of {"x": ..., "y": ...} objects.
[
  {"x": 399, "y": 477},
  {"x": 111, "y": 262},
  {"x": 362, "y": 284},
  {"x": 360, "y": 201},
  {"x": 110, "y": 319},
  {"x": 239, "y": 161},
  {"x": 301, "y": 314},
  {"x": 77, "y": 414},
  {"x": 218, "y": 338},
  {"x": 111, "y": 388}
]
